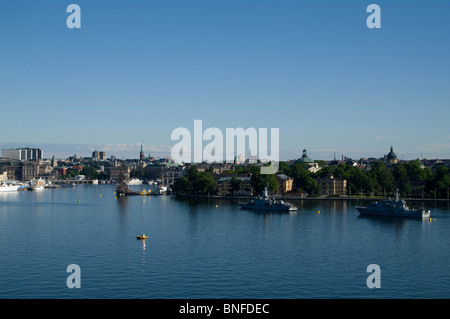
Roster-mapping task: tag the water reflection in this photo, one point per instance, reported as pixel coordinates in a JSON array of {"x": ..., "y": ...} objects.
[{"x": 123, "y": 203}]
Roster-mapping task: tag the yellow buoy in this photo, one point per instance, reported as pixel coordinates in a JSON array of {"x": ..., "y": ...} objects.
[
  {"x": 217, "y": 205},
  {"x": 100, "y": 195},
  {"x": 431, "y": 219},
  {"x": 318, "y": 212},
  {"x": 143, "y": 200}
]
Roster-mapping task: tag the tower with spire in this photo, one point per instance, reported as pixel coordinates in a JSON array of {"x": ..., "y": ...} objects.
[{"x": 141, "y": 155}]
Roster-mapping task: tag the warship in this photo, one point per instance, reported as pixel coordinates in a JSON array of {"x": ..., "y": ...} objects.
[
  {"x": 265, "y": 203},
  {"x": 394, "y": 208}
]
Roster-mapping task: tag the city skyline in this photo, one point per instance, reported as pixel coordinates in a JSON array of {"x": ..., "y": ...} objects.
[
  {"x": 137, "y": 70},
  {"x": 132, "y": 151}
]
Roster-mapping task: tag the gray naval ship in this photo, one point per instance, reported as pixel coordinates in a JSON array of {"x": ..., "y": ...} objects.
[
  {"x": 394, "y": 208},
  {"x": 265, "y": 203}
]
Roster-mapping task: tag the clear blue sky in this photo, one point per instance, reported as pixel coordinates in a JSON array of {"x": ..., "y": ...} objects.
[{"x": 136, "y": 70}]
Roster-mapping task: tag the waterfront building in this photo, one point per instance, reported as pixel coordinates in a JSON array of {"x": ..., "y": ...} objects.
[
  {"x": 35, "y": 169},
  {"x": 284, "y": 183},
  {"x": 225, "y": 186},
  {"x": 3, "y": 177},
  {"x": 170, "y": 173},
  {"x": 332, "y": 186},
  {"x": 13, "y": 169},
  {"x": 115, "y": 171}
]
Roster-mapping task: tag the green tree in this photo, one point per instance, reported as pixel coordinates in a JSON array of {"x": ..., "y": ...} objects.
[
  {"x": 414, "y": 171},
  {"x": 138, "y": 172},
  {"x": 182, "y": 185},
  {"x": 303, "y": 179},
  {"x": 439, "y": 184},
  {"x": 260, "y": 181},
  {"x": 204, "y": 183},
  {"x": 383, "y": 178},
  {"x": 401, "y": 179},
  {"x": 90, "y": 172},
  {"x": 196, "y": 182}
]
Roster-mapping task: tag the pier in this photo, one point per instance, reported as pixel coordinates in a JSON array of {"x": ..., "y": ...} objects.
[{"x": 79, "y": 181}]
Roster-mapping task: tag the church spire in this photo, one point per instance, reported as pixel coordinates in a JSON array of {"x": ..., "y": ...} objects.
[{"x": 141, "y": 155}]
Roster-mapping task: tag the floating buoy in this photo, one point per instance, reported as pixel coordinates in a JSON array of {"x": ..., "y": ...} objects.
[
  {"x": 116, "y": 197},
  {"x": 143, "y": 200},
  {"x": 217, "y": 205},
  {"x": 100, "y": 195},
  {"x": 318, "y": 212},
  {"x": 430, "y": 219}
]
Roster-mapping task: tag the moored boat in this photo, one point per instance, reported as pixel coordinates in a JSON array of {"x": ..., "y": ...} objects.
[
  {"x": 393, "y": 208},
  {"x": 134, "y": 181},
  {"x": 9, "y": 187},
  {"x": 122, "y": 188},
  {"x": 37, "y": 184},
  {"x": 265, "y": 203}
]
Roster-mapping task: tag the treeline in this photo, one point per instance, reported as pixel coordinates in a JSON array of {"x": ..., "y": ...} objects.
[
  {"x": 409, "y": 178},
  {"x": 196, "y": 182}
]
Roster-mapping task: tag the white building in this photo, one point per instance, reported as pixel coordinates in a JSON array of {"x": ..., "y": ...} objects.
[{"x": 23, "y": 153}]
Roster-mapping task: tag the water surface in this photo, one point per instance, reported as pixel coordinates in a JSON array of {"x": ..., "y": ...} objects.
[{"x": 199, "y": 248}]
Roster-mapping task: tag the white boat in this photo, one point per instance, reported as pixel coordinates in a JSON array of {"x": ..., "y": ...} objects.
[
  {"x": 37, "y": 184},
  {"x": 51, "y": 185},
  {"x": 162, "y": 190},
  {"x": 156, "y": 188},
  {"x": 9, "y": 187},
  {"x": 134, "y": 181}
]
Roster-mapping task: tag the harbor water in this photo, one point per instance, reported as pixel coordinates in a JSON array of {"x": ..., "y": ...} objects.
[{"x": 211, "y": 248}]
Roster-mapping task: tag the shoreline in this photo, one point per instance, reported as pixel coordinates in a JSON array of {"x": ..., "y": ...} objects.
[{"x": 309, "y": 198}]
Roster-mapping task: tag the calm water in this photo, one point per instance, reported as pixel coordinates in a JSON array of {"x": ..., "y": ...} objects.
[{"x": 199, "y": 250}]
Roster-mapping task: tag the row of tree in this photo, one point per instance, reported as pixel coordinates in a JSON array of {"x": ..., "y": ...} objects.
[
  {"x": 378, "y": 180},
  {"x": 409, "y": 178}
]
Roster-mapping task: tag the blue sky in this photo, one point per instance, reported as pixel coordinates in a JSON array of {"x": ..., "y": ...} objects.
[{"x": 136, "y": 70}]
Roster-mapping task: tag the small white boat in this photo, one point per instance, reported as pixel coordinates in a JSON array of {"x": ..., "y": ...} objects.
[
  {"x": 162, "y": 190},
  {"x": 9, "y": 187},
  {"x": 134, "y": 181},
  {"x": 37, "y": 184}
]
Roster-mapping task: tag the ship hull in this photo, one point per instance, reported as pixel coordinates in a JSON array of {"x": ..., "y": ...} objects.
[
  {"x": 8, "y": 189},
  {"x": 268, "y": 208},
  {"x": 364, "y": 211}
]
